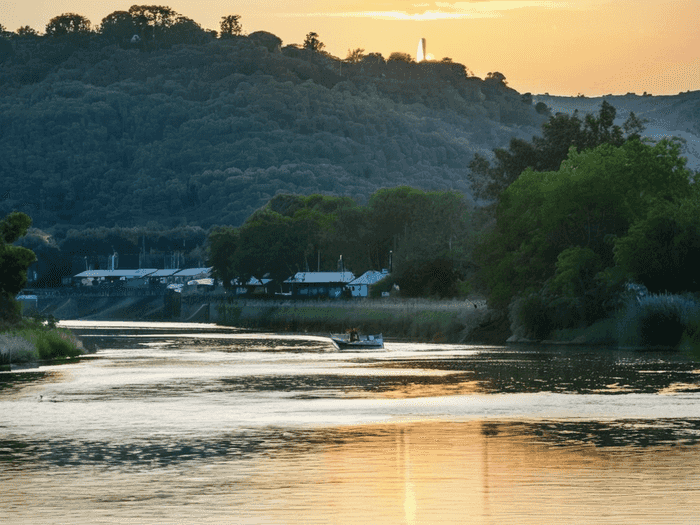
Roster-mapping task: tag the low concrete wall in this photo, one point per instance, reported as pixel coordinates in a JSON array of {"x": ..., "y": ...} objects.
[{"x": 102, "y": 308}]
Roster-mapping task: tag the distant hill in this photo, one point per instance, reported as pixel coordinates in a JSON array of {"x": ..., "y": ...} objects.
[
  {"x": 667, "y": 116},
  {"x": 202, "y": 134},
  {"x": 205, "y": 133}
]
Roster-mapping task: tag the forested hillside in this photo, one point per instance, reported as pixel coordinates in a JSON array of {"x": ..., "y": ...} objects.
[{"x": 98, "y": 131}]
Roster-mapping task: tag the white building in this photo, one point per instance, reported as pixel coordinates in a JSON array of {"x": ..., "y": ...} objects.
[{"x": 360, "y": 287}]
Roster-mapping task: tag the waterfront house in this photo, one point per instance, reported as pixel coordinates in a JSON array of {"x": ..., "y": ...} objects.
[
  {"x": 360, "y": 287},
  {"x": 254, "y": 286},
  {"x": 191, "y": 274},
  {"x": 126, "y": 277},
  {"x": 308, "y": 285}
]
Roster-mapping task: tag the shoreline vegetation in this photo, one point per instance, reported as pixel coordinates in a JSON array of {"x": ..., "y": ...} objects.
[
  {"x": 36, "y": 340},
  {"x": 417, "y": 319}
]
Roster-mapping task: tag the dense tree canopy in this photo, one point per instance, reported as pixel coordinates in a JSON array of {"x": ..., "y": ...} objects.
[
  {"x": 546, "y": 152},
  {"x": 593, "y": 198},
  {"x": 68, "y": 24},
  {"x": 426, "y": 232},
  {"x": 662, "y": 251},
  {"x": 209, "y": 132},
  {"x": 14, "y": 261}
]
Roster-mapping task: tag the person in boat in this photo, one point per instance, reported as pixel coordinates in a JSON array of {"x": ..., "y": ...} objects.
[{"x": 354, "y": 335}]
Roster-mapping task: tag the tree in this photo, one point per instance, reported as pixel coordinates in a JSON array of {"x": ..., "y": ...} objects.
[
  {"x": 222, "y": 243},
  {"x": 398, "y": 56},
  {"x": 497, "y": 78},
  {"x": 312, "y": 42},
  {"x": 14, "y": 261},
  {"x": 662, "y": 251},
  {"x": 231, "y": 26},
  {"x": 185, "y": 31},
  {"x": 560, "y": 133},
  {"x": 152, "y": 21},
  {"x": 68, "y": 24},
  {"x": 355, "y": 56},
  {"x": 118, "y": 27},
  {"x": 594, "y": 197},
  {"x": 26, "y": 31}
]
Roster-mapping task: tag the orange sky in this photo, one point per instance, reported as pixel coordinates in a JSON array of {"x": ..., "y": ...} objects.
[{"x": 593, "y": 47}]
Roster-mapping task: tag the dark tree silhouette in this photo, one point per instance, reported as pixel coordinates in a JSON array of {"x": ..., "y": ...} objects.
[
  {"x": 68, "y": 24},
  {"x": 312, "y": 42},
  {"x": 14, "y": 261},
  {"x": 119, "y": 27},
  {"x": 231, "y": 26}
]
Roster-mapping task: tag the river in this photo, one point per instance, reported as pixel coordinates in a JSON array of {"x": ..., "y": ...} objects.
[{"x": 177, "y": 423}]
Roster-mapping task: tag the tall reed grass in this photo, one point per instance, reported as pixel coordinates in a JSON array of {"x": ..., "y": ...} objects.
[
  {"x": 658, "y": 320},
  {"x": 33, "y": 341},
  {"x": 424, "y": 320}
]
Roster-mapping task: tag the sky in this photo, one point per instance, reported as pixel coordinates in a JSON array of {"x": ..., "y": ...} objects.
[{"x": 588, "y": 47}]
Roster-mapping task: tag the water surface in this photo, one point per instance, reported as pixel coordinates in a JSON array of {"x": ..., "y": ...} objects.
[{"x": 202, "y": 424}]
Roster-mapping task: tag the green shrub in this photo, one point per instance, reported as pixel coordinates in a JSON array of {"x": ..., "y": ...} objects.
[{"x": 658, "y": 320}]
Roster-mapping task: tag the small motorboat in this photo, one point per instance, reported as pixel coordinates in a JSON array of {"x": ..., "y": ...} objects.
[{"x": 352, "y": 339}]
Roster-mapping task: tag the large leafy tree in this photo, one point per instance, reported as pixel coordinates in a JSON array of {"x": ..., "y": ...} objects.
[
  {"x": 222, "y": 243},
  {"x": 68, "y": 24},
  {"x": 547, "y": 152},
  {"x": 662, "y": 251},
  {"x": 593, "y": 198},
  {"x": 14, "y": 261},
  {"x": 118, "y": 27}
]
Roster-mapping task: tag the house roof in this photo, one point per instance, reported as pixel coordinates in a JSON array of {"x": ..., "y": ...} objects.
[
  {"x": 193, "y": 272},
  {"x": 321, "y": 277},
  {"x": 253, "y": 281},
  {"x": 141, "y": 272},
  {"x": 369, "y": 277},
  {"x": 164, "y": 273}
]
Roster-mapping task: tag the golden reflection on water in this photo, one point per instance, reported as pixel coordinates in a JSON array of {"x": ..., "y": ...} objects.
[{"x": 476, "y": 472}]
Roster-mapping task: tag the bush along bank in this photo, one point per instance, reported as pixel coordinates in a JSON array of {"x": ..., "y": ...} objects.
[
  {"x": 418, "y": 320},
  {"x": 642, "y": 321},
  {"x": 32, "y": 340}
]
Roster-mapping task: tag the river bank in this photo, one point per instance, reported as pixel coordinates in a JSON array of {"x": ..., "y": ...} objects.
[
  {"x": 415, "y": 319},
  {"x": 31, "y": 341},
  {"x": 452, "y": 321}
]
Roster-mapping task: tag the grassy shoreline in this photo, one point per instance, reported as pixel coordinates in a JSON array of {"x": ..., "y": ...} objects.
[
  {"x": 33, "y": 340},
  {"x": 419, "y": 320}
]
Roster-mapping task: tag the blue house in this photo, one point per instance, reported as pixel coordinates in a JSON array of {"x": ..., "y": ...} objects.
[
  {"x": 360, "y": 287},
  {"x": 318, "y": 284}
]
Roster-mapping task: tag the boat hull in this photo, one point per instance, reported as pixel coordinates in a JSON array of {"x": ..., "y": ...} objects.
[{"x": 369, "y": 342}]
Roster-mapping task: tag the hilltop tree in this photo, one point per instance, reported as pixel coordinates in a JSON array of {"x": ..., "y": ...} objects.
[
  {"x": 398, "y": 56},
  {"x": 152, "y": 21},
  {"x": 355, "y": 56},
  {"x": 497, "y": 78},
  {"x": 231, "y": 26},
  {"x": 68, "y": 24},
  {"x": 313, "y": 43},
  {"x": 119, "y": 27},
  {"x": 26, "y": 31}
]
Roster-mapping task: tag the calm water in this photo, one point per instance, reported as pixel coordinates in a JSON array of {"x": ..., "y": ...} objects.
[{"x": 174, "y": 423}]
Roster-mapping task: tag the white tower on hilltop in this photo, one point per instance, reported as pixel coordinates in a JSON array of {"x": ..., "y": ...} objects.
[{"x": 420, "y": 54}]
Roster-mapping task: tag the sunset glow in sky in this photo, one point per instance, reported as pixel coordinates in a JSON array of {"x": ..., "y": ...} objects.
[{"x": 566, "y": 47}]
